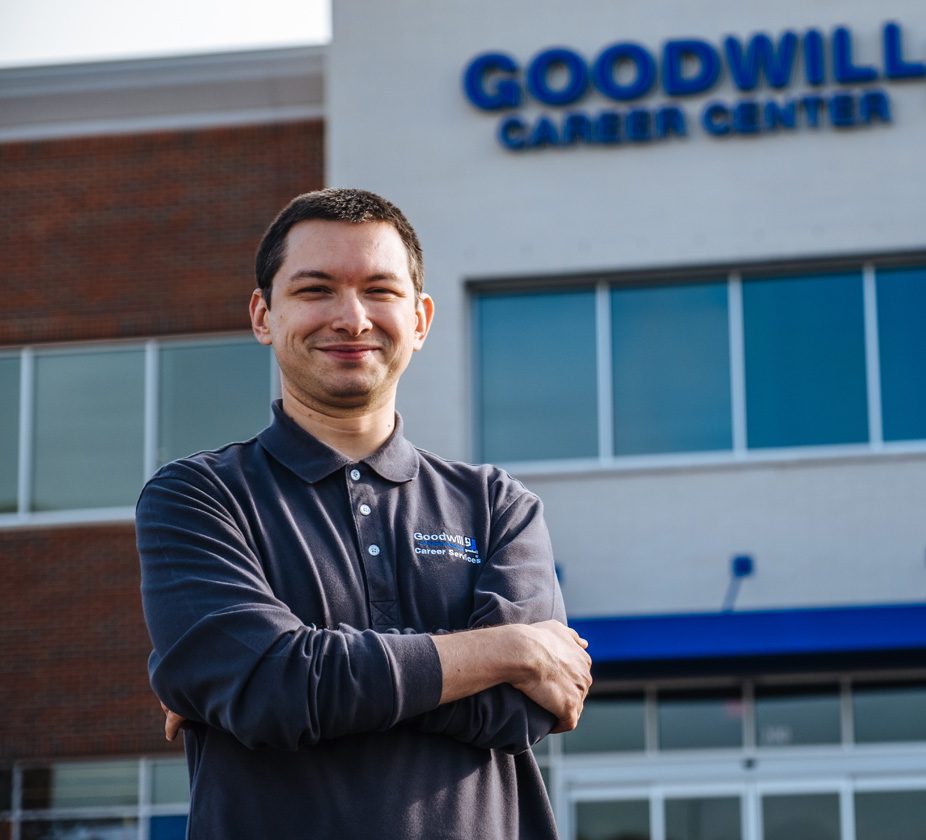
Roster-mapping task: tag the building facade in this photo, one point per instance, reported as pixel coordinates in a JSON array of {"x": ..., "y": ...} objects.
[
  {"x": 680, "y": 273},
  {"x": 679, "y": 268}
]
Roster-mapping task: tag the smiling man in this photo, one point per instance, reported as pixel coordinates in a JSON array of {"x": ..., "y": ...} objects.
[{"x": 361, "y": 639}]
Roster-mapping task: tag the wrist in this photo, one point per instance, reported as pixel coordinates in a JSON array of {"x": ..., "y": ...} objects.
[{"x": 520, "y": 647}]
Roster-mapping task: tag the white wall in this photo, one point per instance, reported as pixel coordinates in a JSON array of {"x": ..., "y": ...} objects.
[{"x": 827, "y": 532}]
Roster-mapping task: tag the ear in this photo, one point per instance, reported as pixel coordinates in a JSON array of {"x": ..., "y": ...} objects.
[
  {"x": 424, "y": 313},
  {"x": 260, "y": 317}
]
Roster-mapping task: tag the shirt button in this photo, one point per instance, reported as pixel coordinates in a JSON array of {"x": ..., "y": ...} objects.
[
  {"x": 373, "y": 550},
  {"x": 366, "y": 510},
  {"x": 355, "y": 474}
]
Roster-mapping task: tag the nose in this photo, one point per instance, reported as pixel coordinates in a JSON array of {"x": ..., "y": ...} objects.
[{"x": 350, "y": 315}]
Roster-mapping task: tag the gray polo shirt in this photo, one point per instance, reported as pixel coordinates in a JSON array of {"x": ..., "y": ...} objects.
[{"x": 290, "y": 594}]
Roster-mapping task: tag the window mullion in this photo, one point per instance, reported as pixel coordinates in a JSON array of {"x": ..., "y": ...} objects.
[
  {"x": 144, "y": 800},
  {"x": 872, "y": 357},
  {"x": 151, "y": 408},
  {"x": 605, "y": 381},
  {"x": 26, "y": 420},
  {"x": 737, "y": 363}
]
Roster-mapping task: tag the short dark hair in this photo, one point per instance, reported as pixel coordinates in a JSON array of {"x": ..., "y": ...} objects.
[{"x": 333, "y": 205}]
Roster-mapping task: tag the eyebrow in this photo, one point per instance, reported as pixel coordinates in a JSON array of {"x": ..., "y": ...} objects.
[{"x": 315, "y": 274}]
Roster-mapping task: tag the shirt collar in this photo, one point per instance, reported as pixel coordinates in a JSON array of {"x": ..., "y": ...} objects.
[{"x": 396, "y": 460}]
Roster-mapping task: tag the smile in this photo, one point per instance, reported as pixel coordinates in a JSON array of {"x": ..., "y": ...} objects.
[{"x": 348, "y": 352}]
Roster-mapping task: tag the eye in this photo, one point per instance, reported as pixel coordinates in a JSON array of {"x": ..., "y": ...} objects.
[{"x": 384, "y": 292}]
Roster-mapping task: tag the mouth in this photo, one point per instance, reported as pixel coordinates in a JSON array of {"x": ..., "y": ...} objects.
[{"x": 348, "y": 352}]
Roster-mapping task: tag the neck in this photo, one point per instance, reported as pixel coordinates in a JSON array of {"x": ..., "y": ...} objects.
[{"x": 355, "y": 435}]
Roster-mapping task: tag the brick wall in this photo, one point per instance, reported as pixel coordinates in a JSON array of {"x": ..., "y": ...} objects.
[
  {"x": 142, "y": 235},
  {"x": 73, "y": 671},
  {"x": 116, "y": 237}
]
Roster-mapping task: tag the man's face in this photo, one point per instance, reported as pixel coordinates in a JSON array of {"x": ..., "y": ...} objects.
[{"x": 345, "y": 319}]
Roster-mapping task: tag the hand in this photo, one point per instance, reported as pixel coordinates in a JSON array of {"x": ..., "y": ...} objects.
[
  {"x": 560, "y": 671},
  {"x": 172, "y": 722}
]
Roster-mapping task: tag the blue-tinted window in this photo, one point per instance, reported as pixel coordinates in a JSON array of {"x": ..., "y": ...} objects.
[
  {"x": 89, "y": 429},
  {"x": 671, "y": 369},
  {"x": 537, "y": 375},
  {"x": 700, "y": 719},
  {"x": 608, "y": 725},
  {"x": 805, "y": 361},
  {"x": 9, "y": 431},
  {"x": 791, "y": 716},
  {"x": 902, "y": 340},
  {"x": 211, "y": 394}
]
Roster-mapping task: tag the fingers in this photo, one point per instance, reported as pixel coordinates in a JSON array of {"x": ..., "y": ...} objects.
[
  {"x": 172, "y": 725},
  {"x": 172, "y": 722}
]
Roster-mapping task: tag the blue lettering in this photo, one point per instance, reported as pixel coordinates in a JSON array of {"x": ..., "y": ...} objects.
[
  {"x": 638, "y": 126},
  {"x": 812, "y": 106},
  {"x": 608, "y": 128},
  {"x": 676, "y": 55},
  {"x": 604, "y": 72},
  {"x": 842, "y": 110},
  {"x": 544, "y": 133},
  {"x": 577, "y": 127},
  {"x": 844, "y": 70},
  {"x": 716, "y": 119},
  {"x": 814, "y": 71},
  {"x": 746, "y": 117},
  {"x": 761, "y": 56},
  {"x": 539, "y": 71},
  {"x": 512, "y": 133},
  {"x": 894, "y": 65},
  {"x": 505, "y": 93},
  {"x": 780, "y": 116},
  {"x": 874, "y": 104},
  {"x": 670, "y": 119}
]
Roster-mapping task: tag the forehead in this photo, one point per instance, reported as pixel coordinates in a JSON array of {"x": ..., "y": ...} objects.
[{"x": 345, "y": 248}]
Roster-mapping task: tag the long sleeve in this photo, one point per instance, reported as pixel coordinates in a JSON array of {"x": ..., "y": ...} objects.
[
  {"x": 229, "y": 653},
  {"x": 517, "y": 585}
]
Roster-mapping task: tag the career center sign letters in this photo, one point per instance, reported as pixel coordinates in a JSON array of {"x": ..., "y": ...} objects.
[{"x": 819, "y": 78}]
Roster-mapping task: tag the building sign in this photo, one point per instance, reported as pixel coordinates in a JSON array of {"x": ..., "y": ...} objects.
[{"x": 817, "y": 79}]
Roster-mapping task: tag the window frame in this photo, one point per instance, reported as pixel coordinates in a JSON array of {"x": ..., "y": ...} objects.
[
  {"x": 735, "y": 275},
  {"x": 23, "y": 516},
  {"x": 142, "y": 811}
]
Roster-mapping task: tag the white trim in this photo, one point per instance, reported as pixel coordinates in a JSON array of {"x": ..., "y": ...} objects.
[
  {"x": 657, "y": 815},
  {"x": 872, "y": 357},
  {"x": 166, "y": 93},
  {"x": 161, "y": 122},
  {"x": 86, "y": 516},
  {"x": 144, "y": 788},
  {"x": 151, "y": 408},
  {"x": 605, "y": 381},
  {"x": 717, "y": 459},
  {"x": 847, "y": 810},
  {"x": 167, "y": 70},
  {"x": 26, "y": 408},
  {"x": 737, "y": 349}
]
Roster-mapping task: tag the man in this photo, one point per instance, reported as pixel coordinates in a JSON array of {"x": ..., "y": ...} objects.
[{"x": 301, "y": 587}]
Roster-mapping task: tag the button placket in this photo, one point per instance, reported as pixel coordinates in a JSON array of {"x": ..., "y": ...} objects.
[{"x": 375, "y": 556}]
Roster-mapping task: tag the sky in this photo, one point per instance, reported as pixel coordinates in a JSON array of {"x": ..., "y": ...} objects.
[{"x": 34, "y": 32}]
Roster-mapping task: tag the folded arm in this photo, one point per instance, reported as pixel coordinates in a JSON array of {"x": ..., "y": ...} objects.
[
  {"x": 229, "y": 653},
  {"x": 545, "y": 672}
]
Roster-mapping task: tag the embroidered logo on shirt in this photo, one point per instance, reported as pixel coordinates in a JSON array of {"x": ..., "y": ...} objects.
[{"x": 459, "y": 546}]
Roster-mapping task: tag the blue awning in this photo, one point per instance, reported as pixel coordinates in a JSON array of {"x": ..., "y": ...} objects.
[{"x": 815, "y": 632}]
